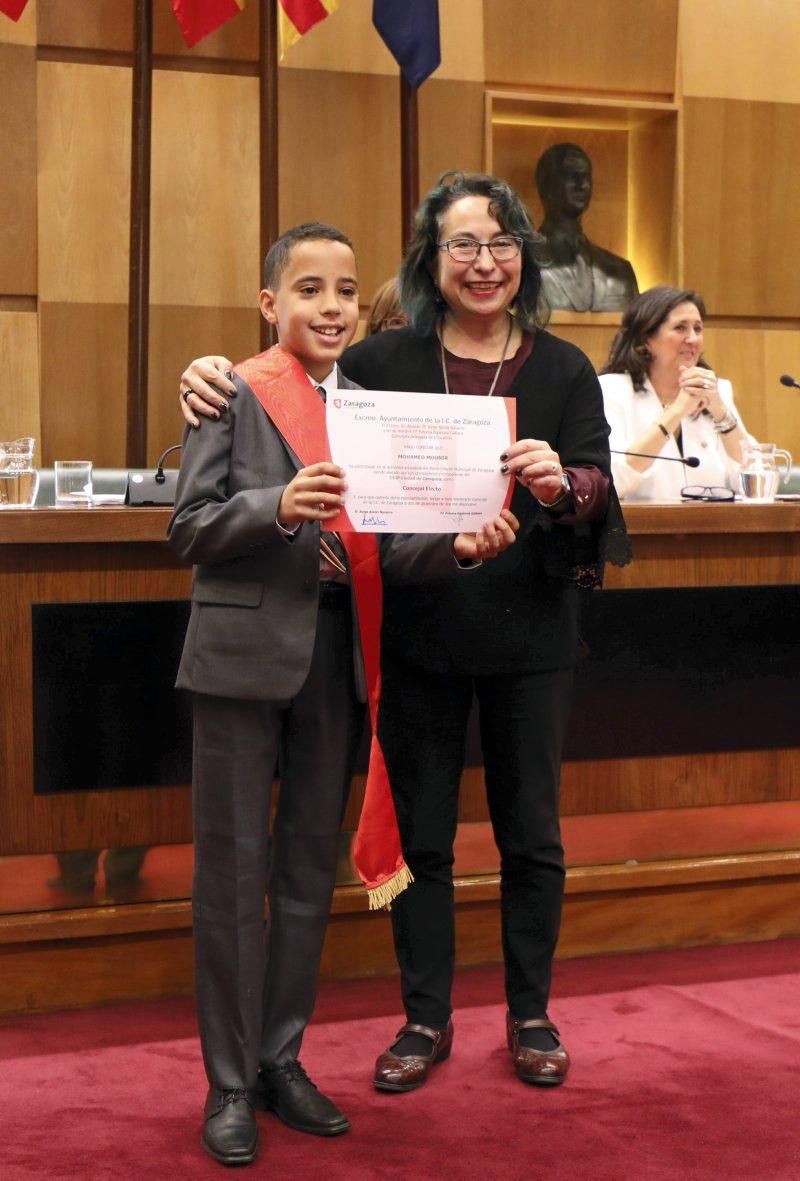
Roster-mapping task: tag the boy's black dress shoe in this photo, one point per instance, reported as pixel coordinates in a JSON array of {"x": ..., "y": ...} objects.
[
  {"x": 394, "y": 1072},
  {"x": 289, "y": 1092},
  {"x": 229, "y": 1132}
]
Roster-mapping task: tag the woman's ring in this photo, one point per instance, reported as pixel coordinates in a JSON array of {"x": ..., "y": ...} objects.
[
  {"x": 553, "y": 467},
  {"x": 321, "y": 507},
  {"x": 185, "y": 394},
  {"x": 706, "y": 385}
]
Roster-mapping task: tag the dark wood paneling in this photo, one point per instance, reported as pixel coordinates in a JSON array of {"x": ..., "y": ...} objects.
[
  {"x": 18, "y": 171},
  {"x": 80, "y": 973},
  {"x": 674, "y": 904}
]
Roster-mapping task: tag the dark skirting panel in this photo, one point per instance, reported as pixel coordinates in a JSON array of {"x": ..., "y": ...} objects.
[{"x": 105, "y": 711}]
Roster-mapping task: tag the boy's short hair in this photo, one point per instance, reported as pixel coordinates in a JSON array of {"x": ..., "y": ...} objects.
[{"x": 280, "y": 251}]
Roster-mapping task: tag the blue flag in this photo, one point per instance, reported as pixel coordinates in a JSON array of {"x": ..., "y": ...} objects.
[{"x": 410, "y": 29}]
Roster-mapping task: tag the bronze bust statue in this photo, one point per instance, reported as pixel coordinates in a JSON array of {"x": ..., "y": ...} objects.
[{"x": 577, "y": 275}]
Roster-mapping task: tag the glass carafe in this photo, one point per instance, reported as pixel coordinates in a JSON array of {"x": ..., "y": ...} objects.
[
  {"x": 19, "y": 479},
  {"x": 760, "y": 471}
]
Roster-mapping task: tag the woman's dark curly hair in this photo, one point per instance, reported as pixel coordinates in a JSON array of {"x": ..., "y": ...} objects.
[
  {"x": 644, "y": 315},
  {"x": 418, "y": 292}
]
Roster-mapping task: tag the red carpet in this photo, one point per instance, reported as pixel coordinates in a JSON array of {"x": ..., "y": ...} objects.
[{"x": 686, "y": 1066}]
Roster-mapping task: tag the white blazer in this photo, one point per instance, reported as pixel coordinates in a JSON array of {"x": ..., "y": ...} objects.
[{"x": 630, "y": 412}]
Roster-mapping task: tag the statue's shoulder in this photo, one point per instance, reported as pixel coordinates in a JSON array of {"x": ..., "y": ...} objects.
[{"x": 610, "y": 264}]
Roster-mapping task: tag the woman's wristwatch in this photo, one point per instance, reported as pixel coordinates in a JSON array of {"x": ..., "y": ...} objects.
[
  {"x": 564, "y": 494},
  {"x": 727, "y": 424}
]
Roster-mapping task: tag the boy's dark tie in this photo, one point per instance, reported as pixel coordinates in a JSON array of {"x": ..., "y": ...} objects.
[{"x": 332, "y": 552}]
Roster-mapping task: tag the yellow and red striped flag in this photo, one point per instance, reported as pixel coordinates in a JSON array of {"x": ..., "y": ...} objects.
[
  {"x": 296, "y": 17},
  {"x": 198, "y": 18}
]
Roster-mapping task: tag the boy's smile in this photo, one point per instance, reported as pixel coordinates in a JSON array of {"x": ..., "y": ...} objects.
[{"x": 315, "y": 304}]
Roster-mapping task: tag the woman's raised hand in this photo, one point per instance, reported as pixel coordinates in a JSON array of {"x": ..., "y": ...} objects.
[
  {"x": 196, "y": 388},
  {"x": 536, "y": 465},
  {"x": 701, "y": 391},
  {"x": 493, "y": 537}
]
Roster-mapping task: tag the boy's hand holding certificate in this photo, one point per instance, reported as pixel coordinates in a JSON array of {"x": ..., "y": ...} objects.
[{"x": 420, "y": 463}]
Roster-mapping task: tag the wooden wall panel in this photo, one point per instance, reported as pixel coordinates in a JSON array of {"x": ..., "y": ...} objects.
[
  {"x": 754, "y": 54},
  {"x": 594, "y": 339},
  {"x": 742, "y": 219},
  {"x": 348, "y": 41},
  {"x": 340, "y": 162},
  {"x": 176, "y": 335},
  {"x": 84, "y": 182},
  {"x": 19, "y": 364},
  {"x": 204, "y": 247},
  {"x": 84, "y": 367},
  {"x": 96, "y": 24},
  {"x": 108, "y": 25},
  {"x": 18, "y": 171},
  {"x": 450, "y": 129},
  {"x": 237, "y": 39},
  {"x": 753, "y": 359},
  {"x": 517, "y": 147},
  {"x": 654, "y": 213},
  {"x": 678, "y": 781},
  {"x": 23, "y": 31},
  {"x": 621, "y": 46}
]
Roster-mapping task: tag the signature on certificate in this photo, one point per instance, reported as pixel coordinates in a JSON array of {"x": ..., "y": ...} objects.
[{"x": 368, "y": 519}]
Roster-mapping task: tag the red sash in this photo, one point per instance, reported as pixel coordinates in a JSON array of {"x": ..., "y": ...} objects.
[{"x": 296, "y": 410}]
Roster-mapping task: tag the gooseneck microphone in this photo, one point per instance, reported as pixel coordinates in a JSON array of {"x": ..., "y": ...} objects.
[
  {"x": 790, "y": 381},
  {"x": 689, "y": 461},
  {"x": 159, "y": 477}
]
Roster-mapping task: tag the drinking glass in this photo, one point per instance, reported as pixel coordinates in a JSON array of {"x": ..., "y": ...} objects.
[
  {"x": 73, "y": 483},
  {"x": 19, "y": 479}
]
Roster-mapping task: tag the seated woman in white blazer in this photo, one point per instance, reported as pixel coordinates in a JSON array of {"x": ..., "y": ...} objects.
[{"x": 662, "y": 398}]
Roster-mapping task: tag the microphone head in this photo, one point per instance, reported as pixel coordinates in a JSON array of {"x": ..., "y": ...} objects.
[
  {"x": 692, "y": 461},
  {"x": 790, "y": 381}
]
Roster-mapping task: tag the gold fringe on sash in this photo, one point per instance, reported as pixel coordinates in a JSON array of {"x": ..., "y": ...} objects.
[{"x": 381, "y": 897}]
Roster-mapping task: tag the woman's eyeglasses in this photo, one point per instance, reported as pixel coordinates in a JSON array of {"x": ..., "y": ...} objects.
[
  {"x": 502, "y": 249},
  {"x": 708, "y": 492}
]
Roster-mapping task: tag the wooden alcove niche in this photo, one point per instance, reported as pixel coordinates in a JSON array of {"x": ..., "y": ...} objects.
[{"x": 634, "y": 148}]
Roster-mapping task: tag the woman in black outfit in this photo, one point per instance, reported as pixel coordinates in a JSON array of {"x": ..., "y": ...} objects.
[{"x": 506, "y": 634}]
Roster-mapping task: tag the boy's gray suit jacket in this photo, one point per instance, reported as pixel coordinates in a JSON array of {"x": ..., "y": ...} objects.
[{"x": 255, "y": 592}]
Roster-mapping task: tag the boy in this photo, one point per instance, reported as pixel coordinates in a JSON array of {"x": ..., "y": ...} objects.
[{"x": 278, "y": 675}]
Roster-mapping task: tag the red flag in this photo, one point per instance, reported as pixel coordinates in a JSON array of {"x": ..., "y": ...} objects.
[
  {"x": 13, "y": 8},
  {"x": 198, "y": 18},
  {"x": 296, "y": 17}
]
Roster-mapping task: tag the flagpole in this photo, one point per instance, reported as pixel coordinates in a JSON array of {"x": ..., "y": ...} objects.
[
  {"x": 139, "y": 267},
  {"x": 409, "y": 159},
  {"x": 268, "y": 137}
]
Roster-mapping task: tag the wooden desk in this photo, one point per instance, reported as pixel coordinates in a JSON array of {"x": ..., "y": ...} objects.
[
  {"x": 101, "y": 555},
  {"x": 663, "y": 850}
]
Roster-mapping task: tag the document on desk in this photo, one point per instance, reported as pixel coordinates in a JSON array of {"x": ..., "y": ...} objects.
[{"x": 419, "y": 463}]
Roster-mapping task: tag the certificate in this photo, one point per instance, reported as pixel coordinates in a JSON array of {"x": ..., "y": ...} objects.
[{"x": 419, "y": 463}]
